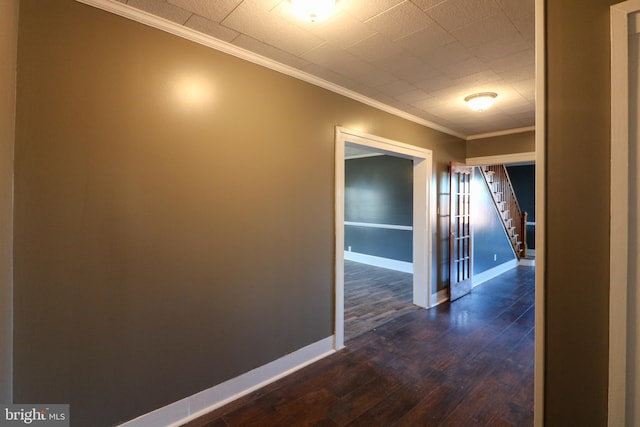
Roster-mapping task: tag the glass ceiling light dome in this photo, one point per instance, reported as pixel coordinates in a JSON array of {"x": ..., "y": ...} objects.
[
  {"x": 481, "y": 101},
  {"x": 313, "y": 10}
]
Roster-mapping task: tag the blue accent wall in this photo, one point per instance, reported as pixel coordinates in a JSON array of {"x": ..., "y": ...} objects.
[
  {"x": 379, "y": 190},
  {"x": 385, "y": 243},
  {"x": 489, "y": 237}
]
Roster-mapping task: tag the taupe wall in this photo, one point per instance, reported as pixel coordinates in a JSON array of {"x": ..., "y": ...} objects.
[
  {"x": 8, "y": 53},
  {"x": 523, "y": 142},
  {"x": 577, "y": 217},
  {"x": 162, "y": 244}
]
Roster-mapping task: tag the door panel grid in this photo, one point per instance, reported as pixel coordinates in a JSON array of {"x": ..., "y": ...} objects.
[{"x": 461, "y": 265}]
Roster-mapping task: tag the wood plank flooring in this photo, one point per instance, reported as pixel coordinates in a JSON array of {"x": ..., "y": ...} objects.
[
  {"x": 466, "y": 363},
  {"x": 373, "y": 296}
]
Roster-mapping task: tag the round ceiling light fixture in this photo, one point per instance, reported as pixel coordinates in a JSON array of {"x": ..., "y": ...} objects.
[
  {"x": 313, "y": 10},
  {"x": 481, "y": 101}
]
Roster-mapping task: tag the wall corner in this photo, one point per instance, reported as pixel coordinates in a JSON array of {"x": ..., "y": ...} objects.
[{"x": 8, "y": 71}]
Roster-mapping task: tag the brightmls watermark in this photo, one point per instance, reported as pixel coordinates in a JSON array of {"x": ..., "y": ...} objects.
[{"x": 34, "y": 415}]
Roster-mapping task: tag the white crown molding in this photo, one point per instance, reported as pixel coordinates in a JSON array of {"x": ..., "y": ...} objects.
[
  {"x": 502, "y": 159},
  {"x": 501, "y": 133},
  {"x": 145, "y": 18}
]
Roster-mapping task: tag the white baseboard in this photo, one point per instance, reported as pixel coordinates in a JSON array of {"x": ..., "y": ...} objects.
[
  {"x": 527, "y": 262},
  {"x": 376, "y": 261},
  {"x": 531, "y": 252},
  {"x": 189, "y": 408},
  {"x": 493, "y": 272}
]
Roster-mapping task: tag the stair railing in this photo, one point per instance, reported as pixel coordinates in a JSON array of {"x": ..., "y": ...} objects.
[{"x": 514, "y": 219}]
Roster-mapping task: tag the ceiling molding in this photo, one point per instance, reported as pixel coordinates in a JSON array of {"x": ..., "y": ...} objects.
[
  {"x": 362, "y": 156},
  {"x": 502, "y": 159},
  {"x": 148, "y": 19},
  {"x": 501, "y": 133}
]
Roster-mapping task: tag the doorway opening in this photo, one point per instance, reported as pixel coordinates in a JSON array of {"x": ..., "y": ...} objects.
[
  {"x": 503, "y": 224},
  {"x": 624, "y": 279},
  {"x": 378, "y": 234},
  {"x": 422, "y": 216}
]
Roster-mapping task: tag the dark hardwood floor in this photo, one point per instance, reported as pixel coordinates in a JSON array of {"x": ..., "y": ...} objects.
[
  {"x": 373, "y": 296},
  {"x": 466, "y": 363}
]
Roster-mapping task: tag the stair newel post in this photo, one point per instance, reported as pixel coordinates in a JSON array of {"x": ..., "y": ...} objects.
[{"x": 524, "y": 234}]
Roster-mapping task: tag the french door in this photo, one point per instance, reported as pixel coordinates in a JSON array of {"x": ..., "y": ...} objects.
[{"x": 460, "y": 237}]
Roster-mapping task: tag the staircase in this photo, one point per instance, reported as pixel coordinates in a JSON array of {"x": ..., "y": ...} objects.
[{"x": 513, "y": 219}]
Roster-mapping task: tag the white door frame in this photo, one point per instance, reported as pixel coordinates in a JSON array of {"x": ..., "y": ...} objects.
[
  {"x": 504, "y": 159},
  {"x": 541, "y": 191},
  {"x": 422, "y": 216},
  {"x": 623, "y": 246}
]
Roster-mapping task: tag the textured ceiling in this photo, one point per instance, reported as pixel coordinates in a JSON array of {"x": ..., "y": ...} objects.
[{"x": 420, "y": 56}]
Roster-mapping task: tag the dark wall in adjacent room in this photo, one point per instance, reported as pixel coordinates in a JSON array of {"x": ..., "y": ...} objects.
[
  {"x": 379, "y": 191},
  {"x": 523, "y": 178}
]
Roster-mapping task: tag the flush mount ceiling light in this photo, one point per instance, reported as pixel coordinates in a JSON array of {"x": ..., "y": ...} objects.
[
  {"x": 481, "y": 101},
  {"x": 313, "y": 10}
]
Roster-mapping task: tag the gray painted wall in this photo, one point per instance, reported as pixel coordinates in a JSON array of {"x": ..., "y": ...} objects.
[
  {"x": 523, "y": 142},
  {"x": 88, "y": 334},
  {"x": 8, "y": 53},
  {"x": 162, "y": 246},
  {"x": 577, "y": 212}
]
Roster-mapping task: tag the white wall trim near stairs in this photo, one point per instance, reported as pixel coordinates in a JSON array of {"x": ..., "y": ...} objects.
[
  {"x": 507, "y": 159},
  {"x": 199, "y": 404},
  {"x": 489, "y": 274},
  {"x": 527, "y": 262}
]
